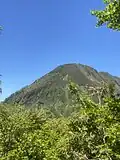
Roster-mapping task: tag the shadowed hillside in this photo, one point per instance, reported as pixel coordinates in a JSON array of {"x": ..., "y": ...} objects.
[{"x": 51, "y": 87}]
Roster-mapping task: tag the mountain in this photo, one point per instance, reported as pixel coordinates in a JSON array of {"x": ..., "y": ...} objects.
[{"x": 51, "y": 87}]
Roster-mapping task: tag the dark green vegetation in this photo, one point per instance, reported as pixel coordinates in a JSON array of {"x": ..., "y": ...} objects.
[
  {"x": 51, "y": 88},
  {"x": 110, "y": 16},
  {"x": 91, "y": 131}
]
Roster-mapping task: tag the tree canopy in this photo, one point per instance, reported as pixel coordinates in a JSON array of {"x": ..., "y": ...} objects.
[
  {"x": 110, "y": 15},
  {"x": 90, "y": 132}
]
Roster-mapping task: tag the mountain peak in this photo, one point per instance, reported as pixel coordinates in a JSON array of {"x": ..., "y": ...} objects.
[{"x": 51, "y": 87}]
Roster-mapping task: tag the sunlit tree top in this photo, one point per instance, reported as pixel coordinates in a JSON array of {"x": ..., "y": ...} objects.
[{"x": 110, "y": 16}]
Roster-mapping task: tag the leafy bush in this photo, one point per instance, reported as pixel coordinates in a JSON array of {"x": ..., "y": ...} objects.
[{"x": 91, "y": 131}]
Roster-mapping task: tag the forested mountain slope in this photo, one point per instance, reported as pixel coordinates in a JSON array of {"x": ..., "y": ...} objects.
[{"x": 51, "y": 87}]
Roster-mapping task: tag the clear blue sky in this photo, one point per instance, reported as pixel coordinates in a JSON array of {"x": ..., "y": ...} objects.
[{"x": 42, "y": 34}]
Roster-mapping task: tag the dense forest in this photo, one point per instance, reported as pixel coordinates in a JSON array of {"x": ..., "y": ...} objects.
[{"x": 90, "y": 130}]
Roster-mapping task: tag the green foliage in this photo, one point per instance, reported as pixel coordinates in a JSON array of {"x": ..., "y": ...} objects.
[
  {"x": 96, "y": 131},
  {"x": 1, "y": 28},
  {"x": 110, "y": 16},
  {"x": 0, "y": 85},
  {"x": 88, "y": 131},
  {"x": 19, "y": 133}
]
